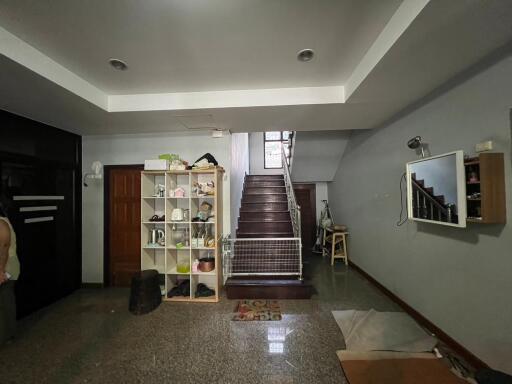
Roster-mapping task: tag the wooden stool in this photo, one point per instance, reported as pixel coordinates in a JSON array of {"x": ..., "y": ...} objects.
[
  {"x": 339, "y": 247},
  {"x": 145, "y": 295}
]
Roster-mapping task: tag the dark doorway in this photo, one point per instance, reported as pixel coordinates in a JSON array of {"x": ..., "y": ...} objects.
[
  {"x": 306, "y": 198},
  {"x": 122, "y": 223}
]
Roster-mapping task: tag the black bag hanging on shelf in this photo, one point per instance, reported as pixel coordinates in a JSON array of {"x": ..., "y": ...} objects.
[{"x": 209, "y": 157}]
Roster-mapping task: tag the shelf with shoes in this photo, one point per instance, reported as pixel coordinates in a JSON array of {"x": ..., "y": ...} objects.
[{"x": 187, "y": 207}]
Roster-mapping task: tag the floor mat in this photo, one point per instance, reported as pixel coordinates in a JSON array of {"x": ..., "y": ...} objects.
[
  {"x": 382, "y": 331},
  {"x": 399, "y": 371},
  {"x": 257, "y": 310}
]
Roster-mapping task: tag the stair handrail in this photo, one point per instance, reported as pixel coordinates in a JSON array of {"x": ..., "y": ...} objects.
[
  {"x": 431, "y": 198},
  {"x": 293, "y": 207}
]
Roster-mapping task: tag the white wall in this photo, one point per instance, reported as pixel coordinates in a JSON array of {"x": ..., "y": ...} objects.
[
  {"x": 134, "y": 149},
  {"x": 239, "y": 167},
  {"x": 256, "y": 156},
  {"x": 460, "y": 279}
]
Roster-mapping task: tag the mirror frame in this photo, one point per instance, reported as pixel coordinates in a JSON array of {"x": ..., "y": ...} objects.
[{"x": 461, "y": 189}]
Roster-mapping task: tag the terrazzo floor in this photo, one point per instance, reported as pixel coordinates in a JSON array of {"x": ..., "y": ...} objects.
[{"x": 90, "y": 337}]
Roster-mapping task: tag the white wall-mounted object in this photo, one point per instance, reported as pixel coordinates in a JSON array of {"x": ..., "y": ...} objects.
[
  {"x": 431, "y": 177},
  {"x": 218, "y": 133},
  {"x": 484, "y": 146},
  {"x": 96, "y": 168}
]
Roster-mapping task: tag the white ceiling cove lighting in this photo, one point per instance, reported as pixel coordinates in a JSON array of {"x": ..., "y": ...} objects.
[
  {"x": 305, "y": 55},
  {"x": 120, "y": 65}
]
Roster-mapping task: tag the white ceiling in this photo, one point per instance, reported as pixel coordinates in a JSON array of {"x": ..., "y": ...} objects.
[
  {"x": 231, "y": 63},
  {"x": 200, "y": 45}
]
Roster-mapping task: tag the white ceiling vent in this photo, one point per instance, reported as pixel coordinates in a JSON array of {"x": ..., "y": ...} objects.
[{"x": 198, "y": 122}]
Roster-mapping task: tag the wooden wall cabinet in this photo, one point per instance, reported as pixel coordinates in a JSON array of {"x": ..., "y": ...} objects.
[{"x": 485, "y": 189}]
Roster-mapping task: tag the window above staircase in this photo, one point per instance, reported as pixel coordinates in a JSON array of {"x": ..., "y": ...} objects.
[{"x": 272, "y": 142}]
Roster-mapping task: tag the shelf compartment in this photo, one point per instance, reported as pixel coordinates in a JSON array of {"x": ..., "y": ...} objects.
[
  {"x": 171, "y": 281},
  {"x": 174, "y": 271},
  {"x": 174, "y": 181},
  {"x": 152, "y": 259},
  {"x": 488, "y": 179}
]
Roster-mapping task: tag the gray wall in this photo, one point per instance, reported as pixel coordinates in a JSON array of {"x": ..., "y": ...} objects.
[
  {"x": 460, "y": 279},
  {"x": 317, "y": 154}
]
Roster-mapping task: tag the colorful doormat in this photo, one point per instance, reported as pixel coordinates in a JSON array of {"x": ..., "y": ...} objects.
[{"x": 257, "y": 310}]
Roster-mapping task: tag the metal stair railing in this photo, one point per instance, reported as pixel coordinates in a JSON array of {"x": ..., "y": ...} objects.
[{"x": 293, "y": 207}]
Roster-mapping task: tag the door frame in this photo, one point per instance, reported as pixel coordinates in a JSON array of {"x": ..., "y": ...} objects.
[
  {"x": 312, "y": 197},
  {"x": 107, "y": 169}
]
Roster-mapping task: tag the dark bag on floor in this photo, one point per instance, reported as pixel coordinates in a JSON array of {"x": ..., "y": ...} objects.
[{"x": 145, "y": 295}]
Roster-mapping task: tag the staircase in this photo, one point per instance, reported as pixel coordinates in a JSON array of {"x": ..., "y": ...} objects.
[
  {"x": 266, "y": 262},
  {"x": 264, "y": 211}
]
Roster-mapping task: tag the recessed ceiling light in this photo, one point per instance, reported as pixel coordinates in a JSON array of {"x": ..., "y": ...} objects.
[
  {"x": 305, "y": 55},
  {"x": 118, "y": 64}
]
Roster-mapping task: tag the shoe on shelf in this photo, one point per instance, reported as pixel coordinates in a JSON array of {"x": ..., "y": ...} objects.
[
  {"x": 182, "y": 289},
  {"x": 203, "y": 291}
]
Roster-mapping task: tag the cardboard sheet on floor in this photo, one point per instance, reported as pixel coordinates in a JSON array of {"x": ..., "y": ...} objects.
[
  {"x": 399, "y": 371},
  {"x": 382, "y": 331}
]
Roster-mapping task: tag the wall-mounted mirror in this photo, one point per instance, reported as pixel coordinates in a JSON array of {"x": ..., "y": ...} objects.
[{"x": 436, "y": 189}]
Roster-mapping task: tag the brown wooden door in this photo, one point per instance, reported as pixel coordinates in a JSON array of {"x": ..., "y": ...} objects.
[
  {"x": 123, "y": 224},
  {"x": 306, "y": 198}
]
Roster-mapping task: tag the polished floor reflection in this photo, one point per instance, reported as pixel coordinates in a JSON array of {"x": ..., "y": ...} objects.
[{"x": 90, "y": 337}]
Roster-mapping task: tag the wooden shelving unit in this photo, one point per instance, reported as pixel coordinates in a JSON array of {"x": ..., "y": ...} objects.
[
  {"x": 165, "y": 259},
  {"x": 485, "y": 189}
]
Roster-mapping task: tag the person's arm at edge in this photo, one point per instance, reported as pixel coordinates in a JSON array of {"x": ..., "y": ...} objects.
[{"x": 5, "y": 242}]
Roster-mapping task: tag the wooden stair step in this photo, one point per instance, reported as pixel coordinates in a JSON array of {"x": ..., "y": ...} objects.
[
  {"x": 261, "y": 184},
  {"x": 261, "y": 288},
  {"x": 257, "y": 235},
  {"x": 264, "y": 198},
  {"x": 264, "y": 216},
  {"x": 263, "y": 190}
]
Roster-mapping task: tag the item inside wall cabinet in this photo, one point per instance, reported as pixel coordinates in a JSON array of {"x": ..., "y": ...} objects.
[
  {"x": 157, "y": 218},
  {"x": 159, "y": 190},
  {"x": 156, "y": 237},
  {"x": 195, "y": 265},
  {"x": 202, "y": 189},
  {"x": 206, "y": 264},
  {"x": 203, "y": 291},
  {"x": 178, "y": 192},
  {"x": 204, "y": 212},
  {"x": 177, "y": 214},
  {"x": 181, "y": 289}
]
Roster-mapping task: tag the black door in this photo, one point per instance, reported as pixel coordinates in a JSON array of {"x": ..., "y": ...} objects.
[{"x": 42, "y": 210}]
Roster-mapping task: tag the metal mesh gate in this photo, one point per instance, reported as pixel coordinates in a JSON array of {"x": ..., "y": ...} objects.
[{"x": 263, "y": 256}]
